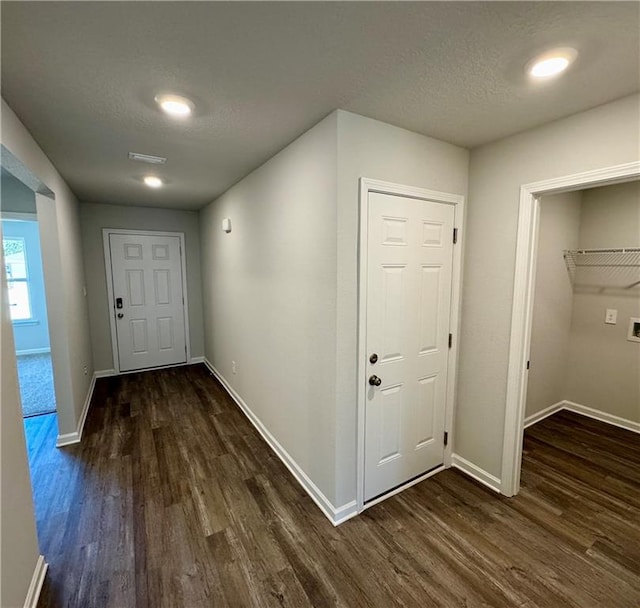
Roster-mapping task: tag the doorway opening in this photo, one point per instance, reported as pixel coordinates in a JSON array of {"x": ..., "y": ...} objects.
[
  {"x": 28, "y": 309},
  {"x": 523, "y": 302},
  {"x": 27, "y": 298},
  {"x": 587, "y": 293}
]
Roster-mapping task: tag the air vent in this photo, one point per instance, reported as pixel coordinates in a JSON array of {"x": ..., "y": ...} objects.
[{"x": 147, "y": 158}]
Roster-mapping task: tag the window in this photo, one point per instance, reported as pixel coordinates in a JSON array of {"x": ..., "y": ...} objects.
[{"x": 15, "y": 259}]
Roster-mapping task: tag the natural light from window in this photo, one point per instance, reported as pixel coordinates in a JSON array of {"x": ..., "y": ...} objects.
[{"x": 15, "y": 259}]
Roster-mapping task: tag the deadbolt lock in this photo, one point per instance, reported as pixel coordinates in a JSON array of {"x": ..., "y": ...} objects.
[{"x": 373, "y": 359}]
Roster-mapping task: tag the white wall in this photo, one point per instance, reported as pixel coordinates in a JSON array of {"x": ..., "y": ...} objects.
[
  {"x": 18, "y": 541},
  {"x": 95, "y": 217},
  {"x": 604, "y": 136},
  {"x": 64, "y": 274},
  {"x": 604, "y": 367},
  {"x": 280, "y": 291},
  {"x": 269, "y": 296},
  {"x": 32, "y": 334},
  {"x": 553, "y": 302},
  {"x": 373, "y": 149}
]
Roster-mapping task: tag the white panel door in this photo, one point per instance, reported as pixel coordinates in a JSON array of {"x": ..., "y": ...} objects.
[
  {"x": 148, "y": 301},
  {"x": 409, "y": 273}
]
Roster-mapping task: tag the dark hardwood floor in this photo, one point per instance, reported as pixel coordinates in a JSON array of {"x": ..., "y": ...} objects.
[{"x": 174, "y": 500}]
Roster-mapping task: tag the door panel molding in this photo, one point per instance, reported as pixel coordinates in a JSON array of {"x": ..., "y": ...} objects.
[
  {"x": 106, "y": 233},
  {"x": 432, "y": 238}
]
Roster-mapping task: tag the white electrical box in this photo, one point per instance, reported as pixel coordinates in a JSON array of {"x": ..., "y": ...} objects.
[{"x": 611, "y": 316}]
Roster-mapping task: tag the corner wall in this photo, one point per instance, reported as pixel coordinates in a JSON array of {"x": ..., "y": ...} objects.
[
  {"x": 604, "y": 136},
  {"x": 64, "y": 274},
  {"x": 280, "y": 291},
  {"x": 93, "y": 218},
  {"x": 553, "y": 301},
  {"x": 603, "y": 366}
]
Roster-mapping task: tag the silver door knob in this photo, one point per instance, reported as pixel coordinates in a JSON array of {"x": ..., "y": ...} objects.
[{"x": 375, "y": 381}]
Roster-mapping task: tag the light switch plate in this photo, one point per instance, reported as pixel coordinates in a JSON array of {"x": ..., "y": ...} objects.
[{"x": 611, "y": 316}]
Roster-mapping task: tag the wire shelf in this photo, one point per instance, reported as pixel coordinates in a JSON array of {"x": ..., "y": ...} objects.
[{"x": 604, "y": 268}]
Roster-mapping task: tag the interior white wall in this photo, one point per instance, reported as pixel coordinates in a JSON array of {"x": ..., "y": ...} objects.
[
  {"x": 280, "y": 293},
  {"x": 603, "y": 369},
  {"x": 64, "y": 274},
  {"x": 95, "y": 217},
  {"x": 373, "y": 149},
  {"x": 269, "y": 291},
  {"x": 18, "y": 540},
  {"x": 604, "y": 136},
  {"x": 553, "y": 301}
]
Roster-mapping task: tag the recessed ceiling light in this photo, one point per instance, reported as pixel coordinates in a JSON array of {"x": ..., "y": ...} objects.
[
  {"x": 551, "y": 63},
  {"x": 152, "y": 181},
  {"x": 175, "y": 105}
]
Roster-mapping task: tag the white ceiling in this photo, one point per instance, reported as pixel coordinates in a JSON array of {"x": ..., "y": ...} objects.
[{"x": 82, "y": 77}]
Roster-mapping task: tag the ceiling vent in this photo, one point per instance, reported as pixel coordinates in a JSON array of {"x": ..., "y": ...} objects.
[{"x": 147, "y": 158}]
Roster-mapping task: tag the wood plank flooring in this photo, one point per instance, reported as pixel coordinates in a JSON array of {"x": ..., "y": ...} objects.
[{"x": 173, "y": 500}]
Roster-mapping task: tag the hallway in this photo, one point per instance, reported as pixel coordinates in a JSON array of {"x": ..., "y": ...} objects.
[{"x": 173, "y": 499}]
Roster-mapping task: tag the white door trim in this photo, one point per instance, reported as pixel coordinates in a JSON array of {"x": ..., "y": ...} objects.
[
  {"x": 106, "y": 232},
  {"x": 371, "y": 185},
  {"x": 523, "y": 292}
]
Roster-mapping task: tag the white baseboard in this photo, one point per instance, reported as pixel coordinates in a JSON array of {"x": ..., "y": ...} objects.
[
  {"x": 33, "y": 351},
  {"x": 583, "y": 410},
  {"x": 542, "y": 414},
  {"x": 105, "y": 373},
  {"x": 474, "y": 471},
  {"x": 336, "y": 515},
  {"x": 35, "y": 586},
  {"x": 195, "y": 360},
  {"x": 343, "y": 513},
  {"x": 623, "y": 423},
  {"x": 76, "y": 436}
]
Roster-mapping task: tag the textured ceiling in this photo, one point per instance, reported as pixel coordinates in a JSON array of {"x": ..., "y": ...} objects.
[{"x": 82, "y": 77}]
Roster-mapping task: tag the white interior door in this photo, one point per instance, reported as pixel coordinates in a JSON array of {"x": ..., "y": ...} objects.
[
  {"x": 409, "y": 274},
  {"x": 148, "y": 303}
]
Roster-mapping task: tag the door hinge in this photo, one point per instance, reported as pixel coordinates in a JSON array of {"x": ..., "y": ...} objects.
[
  {"x": 528, "y": 364},
  {"x": 450, "y": 340},
  {"x": 446, "y": 438},
  {"x": 455, "y": 236}
]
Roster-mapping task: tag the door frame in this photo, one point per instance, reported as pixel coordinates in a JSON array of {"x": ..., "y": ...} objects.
[
  {"x": 522, "y": 308},
  {"x": 368, "y": 186},
  {"x": 106, "y": 233}
]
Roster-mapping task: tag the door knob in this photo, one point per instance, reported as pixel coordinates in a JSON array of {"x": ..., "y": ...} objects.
[{"x": 375, "y": 381}]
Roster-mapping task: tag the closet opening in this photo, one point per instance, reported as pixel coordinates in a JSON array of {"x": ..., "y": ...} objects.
[
  {"x": 590, "y": 265},
  {"x": 583, "y": 357}
]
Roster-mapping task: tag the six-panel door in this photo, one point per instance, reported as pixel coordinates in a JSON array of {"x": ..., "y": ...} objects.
[
  {"x": 148, "y": 300},
  {"x": 409, "y": 273}
]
